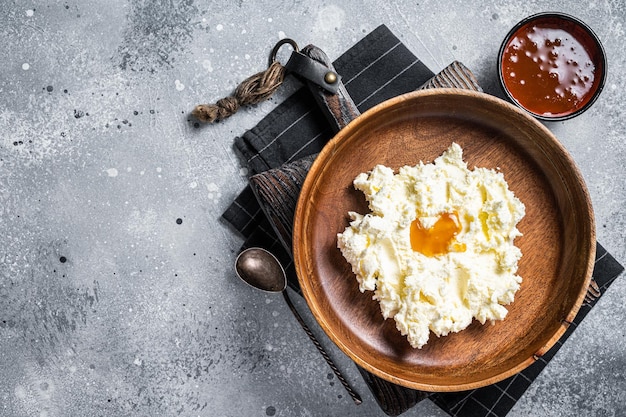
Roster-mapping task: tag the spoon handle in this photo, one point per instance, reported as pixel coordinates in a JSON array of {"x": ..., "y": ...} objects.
[{"x": 355, "y": 397}]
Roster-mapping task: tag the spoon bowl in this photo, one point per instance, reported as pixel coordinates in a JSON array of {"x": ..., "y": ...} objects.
[{"x": 261, "y": 269}]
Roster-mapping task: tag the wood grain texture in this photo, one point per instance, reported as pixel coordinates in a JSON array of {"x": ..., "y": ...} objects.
[
  {"x": 393, "y": 399},
  {"x": 455, "y": 75},
  {"x": 558, "y": 244},
  {"x": 339, "y": 108},
  {"x": 277, "y": 191}
]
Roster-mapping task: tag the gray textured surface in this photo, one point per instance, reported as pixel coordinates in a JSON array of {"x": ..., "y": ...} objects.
[{"x": 97, "y": 162}]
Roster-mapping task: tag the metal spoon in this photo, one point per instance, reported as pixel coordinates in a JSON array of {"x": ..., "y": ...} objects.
[{"x": 261, "y": 269}]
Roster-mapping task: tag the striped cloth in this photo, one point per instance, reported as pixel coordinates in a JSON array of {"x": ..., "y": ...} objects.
[{"x": 377, "y": 68}]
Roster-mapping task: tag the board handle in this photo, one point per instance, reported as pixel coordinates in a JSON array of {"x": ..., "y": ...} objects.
[{"x": 339, "y": 108}]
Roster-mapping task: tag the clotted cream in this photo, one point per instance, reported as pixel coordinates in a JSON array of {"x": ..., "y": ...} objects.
[{"x": 438, "y": 247}]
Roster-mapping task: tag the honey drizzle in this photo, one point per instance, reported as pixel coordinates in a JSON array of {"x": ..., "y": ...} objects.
[{"x": 438, "y": 239}]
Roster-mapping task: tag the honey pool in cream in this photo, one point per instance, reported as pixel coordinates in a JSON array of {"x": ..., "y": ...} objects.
[{"x": 437, "y": 249}]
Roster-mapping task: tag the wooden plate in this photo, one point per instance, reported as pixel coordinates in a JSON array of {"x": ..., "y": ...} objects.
[{"x": 558, "y": 245}]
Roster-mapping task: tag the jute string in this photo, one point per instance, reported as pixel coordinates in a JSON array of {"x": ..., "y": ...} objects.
[{"x": 252, "y": 90}]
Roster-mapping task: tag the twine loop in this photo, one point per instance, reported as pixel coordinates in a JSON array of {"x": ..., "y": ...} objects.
[{"x": 252, "y": 90}]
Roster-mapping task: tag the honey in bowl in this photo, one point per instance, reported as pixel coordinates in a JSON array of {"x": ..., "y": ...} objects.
[{"x": 552, "y": 65}]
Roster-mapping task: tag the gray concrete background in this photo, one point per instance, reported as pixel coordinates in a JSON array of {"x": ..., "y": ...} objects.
[{"x": 97, "y": 162}]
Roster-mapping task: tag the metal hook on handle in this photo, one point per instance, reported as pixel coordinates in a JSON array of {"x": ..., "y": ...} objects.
[{"x": 278, "y": 45}]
